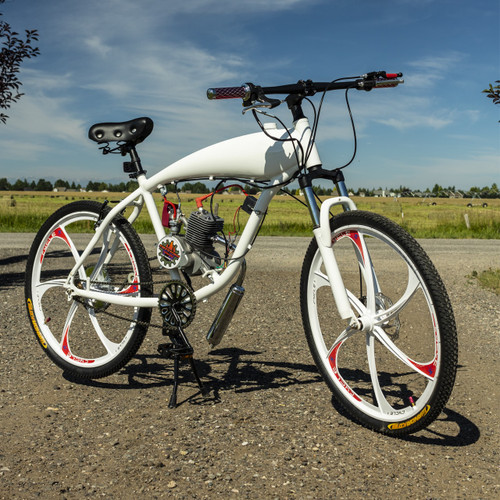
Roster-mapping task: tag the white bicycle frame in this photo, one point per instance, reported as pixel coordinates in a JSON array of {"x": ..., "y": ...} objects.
[{"x": 255, "y": 157}]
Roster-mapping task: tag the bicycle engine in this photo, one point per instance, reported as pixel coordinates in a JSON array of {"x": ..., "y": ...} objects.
[{"x": 193, "y": 252}]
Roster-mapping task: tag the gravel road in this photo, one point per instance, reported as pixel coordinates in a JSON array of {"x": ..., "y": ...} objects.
[{"x": 274, "y": 432}]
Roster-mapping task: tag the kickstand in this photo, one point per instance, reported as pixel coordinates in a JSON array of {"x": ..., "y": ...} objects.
[{"x": 178, "y": 349}]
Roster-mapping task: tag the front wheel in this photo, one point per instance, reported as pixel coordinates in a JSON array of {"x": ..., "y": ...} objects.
[
  {"x": 87, "y": 338},
  {"x": 396, "y": 376}
]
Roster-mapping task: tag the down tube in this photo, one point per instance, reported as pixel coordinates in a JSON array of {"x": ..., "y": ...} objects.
[{"x": 244, "y": 245}]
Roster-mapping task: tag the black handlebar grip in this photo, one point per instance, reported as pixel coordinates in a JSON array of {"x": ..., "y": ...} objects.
[{"x": 229, "y": 92}]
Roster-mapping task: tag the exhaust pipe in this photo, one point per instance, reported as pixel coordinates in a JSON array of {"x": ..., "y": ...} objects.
[{"x": 227, "y": 310}]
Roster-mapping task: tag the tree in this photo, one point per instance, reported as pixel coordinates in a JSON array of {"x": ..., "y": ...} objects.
[
  {"x": 254, "y": 189},
  {"x": 131, "y": 186},
  {"x": 14, "y": 51},
  {"x": 4, "y": 184},
  {"x": 199, "y": 188},
  {"x": 92, "y": 186},
  {"x": 493, "y": 92},
  {"x": 61, "y": 183},
  {"x": 19, "y": 185},
  {"x": 437, "y": 189},
  {"x": 43, "y": 185}
]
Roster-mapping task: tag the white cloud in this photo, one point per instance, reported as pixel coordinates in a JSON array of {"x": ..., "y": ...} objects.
[
  {"x": 39, "y": 116},
  {"x": 96, "y": 44},
  {"x": 35, "y": 80},
  {"x": 217, "y": 6},
  {"x": 437, "y": 65},
  {"x": 389, "y": 108},
  {"x": 430, "y": 70}
]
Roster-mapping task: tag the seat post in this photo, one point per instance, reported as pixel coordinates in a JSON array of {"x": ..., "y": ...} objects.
[{"x": 133, "y": 167}]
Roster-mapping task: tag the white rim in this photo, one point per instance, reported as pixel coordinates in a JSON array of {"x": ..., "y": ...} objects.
[
  {"x": 429, "y": 370},
  {"x": 61, "y": 345}
]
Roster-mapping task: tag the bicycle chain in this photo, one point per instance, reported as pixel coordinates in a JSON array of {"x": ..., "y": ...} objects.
[{"x": 117, "y": 316}]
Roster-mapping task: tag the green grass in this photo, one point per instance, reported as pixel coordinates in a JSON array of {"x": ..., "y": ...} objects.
[
  {"x": 26, "y": 212},
  {"x": 489, "y": 279}
]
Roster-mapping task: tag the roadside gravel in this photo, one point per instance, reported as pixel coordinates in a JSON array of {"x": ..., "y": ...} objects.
[{"x": 273, "y": 433}]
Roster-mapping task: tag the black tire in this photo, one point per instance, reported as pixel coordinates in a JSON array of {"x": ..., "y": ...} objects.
[
  {"x": 88, "y": 339},
  {"x": 399, "y": 394}
]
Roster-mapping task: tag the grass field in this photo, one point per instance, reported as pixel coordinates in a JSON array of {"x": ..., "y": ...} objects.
[{"x": 26, "y": 212}]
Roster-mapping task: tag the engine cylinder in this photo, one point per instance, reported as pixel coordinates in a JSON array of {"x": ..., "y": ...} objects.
[{"x": 201, "y": 229}]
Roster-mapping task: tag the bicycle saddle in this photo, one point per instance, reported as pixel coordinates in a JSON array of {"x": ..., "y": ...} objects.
[{"x": 134, "y": 131}]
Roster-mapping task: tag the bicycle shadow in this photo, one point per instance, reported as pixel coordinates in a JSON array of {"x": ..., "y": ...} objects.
[
  {"x": 449, "y": 429},
  {"x": 241, "y": 371},
  {"x": 435, "y": 434},
  {"x": 12, "y": 279},
  {"x": 226, "y": 369}
]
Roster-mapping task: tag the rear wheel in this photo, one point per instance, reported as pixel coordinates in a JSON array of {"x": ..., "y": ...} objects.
[
  {"x": 395, "y": 376},
  {"x": 88, "y": 338}
]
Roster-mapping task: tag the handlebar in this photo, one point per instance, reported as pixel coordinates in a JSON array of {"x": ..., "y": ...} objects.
[
  {"x": 229, "y": 92},
  {"x": 250, "y": 92}
]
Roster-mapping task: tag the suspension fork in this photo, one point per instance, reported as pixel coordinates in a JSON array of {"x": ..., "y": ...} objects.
[{"x": 320, "y": 217}]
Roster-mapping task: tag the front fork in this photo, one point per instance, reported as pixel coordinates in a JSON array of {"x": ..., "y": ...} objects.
[{"x": 320, "y": 217}]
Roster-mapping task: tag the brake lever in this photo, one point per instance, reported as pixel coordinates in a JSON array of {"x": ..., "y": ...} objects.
[{"x": 269, "y": 104}]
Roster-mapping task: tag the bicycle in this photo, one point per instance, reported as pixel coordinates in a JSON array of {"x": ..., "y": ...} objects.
[{"x": 389, "y": 353}]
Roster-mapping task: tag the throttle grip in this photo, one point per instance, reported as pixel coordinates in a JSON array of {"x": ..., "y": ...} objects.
[{"x": 242, "y": 92}]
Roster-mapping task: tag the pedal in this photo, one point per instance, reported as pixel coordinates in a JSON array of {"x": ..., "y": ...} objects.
[{"x": 171, "y": 350}]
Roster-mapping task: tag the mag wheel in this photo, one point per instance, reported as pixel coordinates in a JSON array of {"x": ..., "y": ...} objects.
[
  {"x": 88, "y": 338},
  {"x": 396, "y": 375}
]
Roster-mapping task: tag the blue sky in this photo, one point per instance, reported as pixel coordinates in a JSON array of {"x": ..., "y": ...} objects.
[{"x": 113, "y": 60}]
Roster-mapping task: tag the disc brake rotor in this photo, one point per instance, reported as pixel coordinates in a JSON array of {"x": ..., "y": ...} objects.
[
  {"x": 393, "y": 326},
  {"x": 102, "y": 279}
]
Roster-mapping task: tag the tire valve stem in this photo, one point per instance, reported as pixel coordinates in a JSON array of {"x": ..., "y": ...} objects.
[{"x": 411, "y": 401}]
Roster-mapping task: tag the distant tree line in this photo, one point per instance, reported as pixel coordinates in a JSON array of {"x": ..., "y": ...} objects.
[
  {"x": 122, "y": 187},
  {"x": 200, "y": 188}
]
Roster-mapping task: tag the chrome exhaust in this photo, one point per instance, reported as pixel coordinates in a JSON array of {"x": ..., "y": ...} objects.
[{"x": 227, "y": 310}]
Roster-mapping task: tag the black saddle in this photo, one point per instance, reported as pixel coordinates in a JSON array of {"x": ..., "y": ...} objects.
[{"x": 134, "y": 131}]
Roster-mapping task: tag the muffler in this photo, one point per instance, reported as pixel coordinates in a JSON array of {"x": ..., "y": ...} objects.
[{"x": 227, "y": 310}]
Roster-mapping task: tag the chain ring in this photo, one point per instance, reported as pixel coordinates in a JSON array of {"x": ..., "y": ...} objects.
[{"x": 177, "y": 305}]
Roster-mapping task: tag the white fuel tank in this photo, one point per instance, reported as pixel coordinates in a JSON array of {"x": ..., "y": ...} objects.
[{"x": 253, "y": 156}]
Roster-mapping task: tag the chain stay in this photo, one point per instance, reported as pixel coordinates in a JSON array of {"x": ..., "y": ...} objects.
[{"x": 143, "y": 283}]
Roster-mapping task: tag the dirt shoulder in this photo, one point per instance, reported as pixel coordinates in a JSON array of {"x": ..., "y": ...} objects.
[{"x": 273, "y": 433}]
